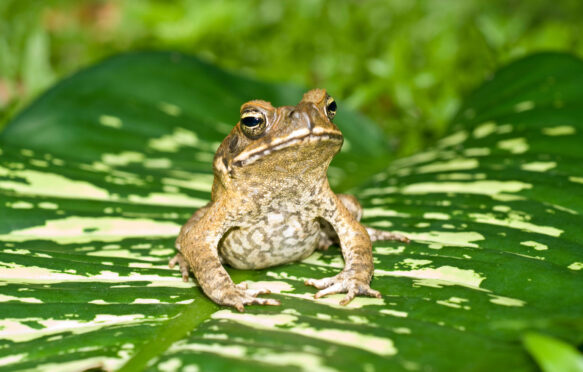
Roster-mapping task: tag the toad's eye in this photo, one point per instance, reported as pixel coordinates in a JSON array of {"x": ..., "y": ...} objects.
[
  {"x": 330, "y": 108},
  {"x": 253, "y": 123}
]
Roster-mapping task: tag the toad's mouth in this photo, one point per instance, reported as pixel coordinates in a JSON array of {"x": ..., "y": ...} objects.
[{"x": 302, "y": 137}]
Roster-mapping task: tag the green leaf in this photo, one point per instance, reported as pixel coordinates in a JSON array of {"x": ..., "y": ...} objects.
[
  {"x": 97, "y": 176},
  {"x": 553, "y": 355}
]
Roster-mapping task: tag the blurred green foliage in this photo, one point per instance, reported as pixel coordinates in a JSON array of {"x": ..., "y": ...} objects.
[{"x": 403, "y": 63}]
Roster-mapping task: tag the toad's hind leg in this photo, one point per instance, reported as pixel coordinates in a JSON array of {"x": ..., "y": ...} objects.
[
  {"x": 178, "y": 258},
  {"x": 329, "y": 237}
]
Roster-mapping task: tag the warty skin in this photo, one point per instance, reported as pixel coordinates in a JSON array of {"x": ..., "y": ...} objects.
[{"x": 271, "y": 204}]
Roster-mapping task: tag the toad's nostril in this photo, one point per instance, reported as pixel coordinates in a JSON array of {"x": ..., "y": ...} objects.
[
  {"x": 309, "y": 121},
  {"x": 300, "y": 116}
]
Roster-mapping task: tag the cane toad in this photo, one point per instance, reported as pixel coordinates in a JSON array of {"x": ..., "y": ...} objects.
[{"x": 271, "y": 204}]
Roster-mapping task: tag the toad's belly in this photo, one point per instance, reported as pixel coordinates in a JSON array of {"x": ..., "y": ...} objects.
[{"x": 271, "y": 241}]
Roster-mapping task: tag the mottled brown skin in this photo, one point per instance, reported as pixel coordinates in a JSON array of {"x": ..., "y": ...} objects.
[{"x": 272, "y": 204}]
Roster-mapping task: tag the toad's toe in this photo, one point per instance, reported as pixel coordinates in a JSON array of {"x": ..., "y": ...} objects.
[
  {"x": 320, "y": 283},
  {"x": 182, "y": 264},
  {"x": 333, "y": 289}
]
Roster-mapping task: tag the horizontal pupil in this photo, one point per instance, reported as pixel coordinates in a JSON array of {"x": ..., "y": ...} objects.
[{"x": 251, "y": 121}]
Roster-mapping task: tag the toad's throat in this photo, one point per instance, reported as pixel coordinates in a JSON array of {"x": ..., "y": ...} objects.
[{"x": 252, "y": 156}]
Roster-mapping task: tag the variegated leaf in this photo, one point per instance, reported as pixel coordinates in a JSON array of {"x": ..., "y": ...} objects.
[{"x": 97, "y": 176}]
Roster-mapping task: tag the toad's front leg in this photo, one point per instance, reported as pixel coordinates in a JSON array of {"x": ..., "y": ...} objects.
[
  {"x": 199, "y": 246},
  {"x": 356, "y": 246}
]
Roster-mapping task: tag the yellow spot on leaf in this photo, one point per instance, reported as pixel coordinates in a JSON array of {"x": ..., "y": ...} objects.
[
  {"x": 448, "y": 238},
  {"x": 455, "y": 302},
  {"x": 15, "y": 331},
  {"x": 501, "y": 208},
  {"x": 273, "y": 286},
  {"x": 537, "y": 246},
  {"x": 6, "y": 298},
  {"x": 484, "y": 187},
  {"x": 382, "y": 212},
  {"x": 173, "y": 142},
  {"x": 539, "y": 166},
  {"x": 11, "y": 359},
  {"x": 123, "y": 158},
  {"x": 176, "y": 199},
  {"x": 158, "y": 163},
  {"x": 415, "y": 264},
  {"x": 524, "y": 106},
  {"x": 514, "y": 145},
  {"x": 48, "y": 205},
  {"x": 477, "y": 151},
  {"x": 50, "y": 184},
  {"x": 110, "y": 121},
  {"x": 87, "y": 229},
  {"x": 389, "y": 250},
  {"x": 436, "y": 216},
  {"x": 358, "y": 319},
  {"x": 561, "y": 130},
  {"x": 422, "y": 157},
  {"x": 454, "y": 139},
  {"x": 169, "y": 108},
  {"x": 334, "y": 300},
  {"x": 484, "y": 130},
  {"x": 444, "y": 275},
  {"x": 170, "y": 365},
  {"x": 381, "y": 346},
  {"x": 262, "y": 320},
  {"x": 146, "y": 301},
  {"x": 199, "y": 182},
  {"x": 21, "y": 205},
  {"x": 516, "y": 223},
  {"x": 451, "y": 165},
  {"x": 400, "y": 314},
  {"x": 506, "y": 301}
]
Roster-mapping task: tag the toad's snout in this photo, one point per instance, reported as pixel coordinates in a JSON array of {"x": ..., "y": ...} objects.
[
  {"x": 301, "y": 118},
  {"x": 306, "y": 115}
]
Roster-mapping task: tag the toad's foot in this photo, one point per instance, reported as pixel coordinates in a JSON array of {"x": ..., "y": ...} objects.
[
  {"x": 325, "y": 242},
  {"x": 182, "y": 264},
  {"x": 376, "y": 235},
  {"x": 238, "y": 296},
  {"x": 342, "y": 283}
]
